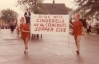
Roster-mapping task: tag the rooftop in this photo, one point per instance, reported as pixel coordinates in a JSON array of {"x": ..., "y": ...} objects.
[{"x": 57, "y": 8}]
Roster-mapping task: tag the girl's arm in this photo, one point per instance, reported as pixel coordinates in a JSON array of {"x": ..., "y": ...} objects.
[
  {"x": 25, "y": 31},
  {"x": 70, "y": 24}
]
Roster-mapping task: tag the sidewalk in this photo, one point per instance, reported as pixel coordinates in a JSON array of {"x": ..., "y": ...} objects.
[{"x": 51, "y": 49}]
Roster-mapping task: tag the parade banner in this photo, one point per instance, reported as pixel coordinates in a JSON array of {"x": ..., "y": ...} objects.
[{"x": 50, "y": 24}]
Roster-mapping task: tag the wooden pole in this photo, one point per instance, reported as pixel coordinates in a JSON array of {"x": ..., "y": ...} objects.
[
  {"x": 69, "y": 40},
  {"x": 30, "y": 31}
]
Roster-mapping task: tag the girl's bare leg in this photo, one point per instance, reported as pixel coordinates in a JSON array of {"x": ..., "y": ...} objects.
[
  {"x": 26, "y": 43},
  {"x": 75, "y": 37},
  {"x": 78, "y": 44}
]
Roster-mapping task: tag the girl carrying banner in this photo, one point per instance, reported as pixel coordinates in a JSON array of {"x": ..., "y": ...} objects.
[
  {"x": 77, "y": 31},
  {"x": 25, "y": 33}
]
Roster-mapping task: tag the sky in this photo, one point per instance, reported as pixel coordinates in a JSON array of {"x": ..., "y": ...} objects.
[{"x": 11, "y": 4}]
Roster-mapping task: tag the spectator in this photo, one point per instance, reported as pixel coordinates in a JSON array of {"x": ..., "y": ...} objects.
[
  {"x": 88, "y": 22},
  {"x": 98, "y": 28},
  {"x": 27, "y": 15},
  {"x": 12, "y": 27}
]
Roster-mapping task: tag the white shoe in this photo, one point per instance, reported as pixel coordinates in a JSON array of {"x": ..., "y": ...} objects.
[{"x": 26, "y": 51}]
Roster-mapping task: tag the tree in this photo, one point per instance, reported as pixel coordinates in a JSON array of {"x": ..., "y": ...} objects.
[
  {"x": 34, "y": 6},
  {"x": 8, "y": 15},
  {"x": 88, "y": 7}
]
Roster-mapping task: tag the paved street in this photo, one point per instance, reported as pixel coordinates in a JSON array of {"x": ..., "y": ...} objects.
[{"x": 51, "y": 49}]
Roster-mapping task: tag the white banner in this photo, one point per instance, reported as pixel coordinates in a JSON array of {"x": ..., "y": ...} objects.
[{"x": 50, "y": 24}]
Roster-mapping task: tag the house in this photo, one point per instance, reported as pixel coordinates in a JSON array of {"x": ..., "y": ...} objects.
[{"x": 56, "y": 8}]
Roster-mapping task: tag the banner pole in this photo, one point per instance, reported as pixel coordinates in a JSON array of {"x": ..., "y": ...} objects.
[
  {"x": 69, "y": 38},
  {"x": 30, "y": 32},
  {"x": 68, "y": 41},
  {"x": 30, "y": 37}
]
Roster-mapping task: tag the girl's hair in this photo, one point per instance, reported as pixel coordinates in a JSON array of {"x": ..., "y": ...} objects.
[{"x": 22, "y": 18}]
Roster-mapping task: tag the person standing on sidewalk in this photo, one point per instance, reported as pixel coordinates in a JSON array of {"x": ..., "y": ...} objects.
[
  {"x": 0, "y": 27},
  {"x": 25, "y": 33},
  {"x": 77, "y": 32},
  {"x": 88, "y": 22},
  {"x": 27, "y": 15},
  {"x": 98, "y": 28},
  {"x": 12, "y": 27}
]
